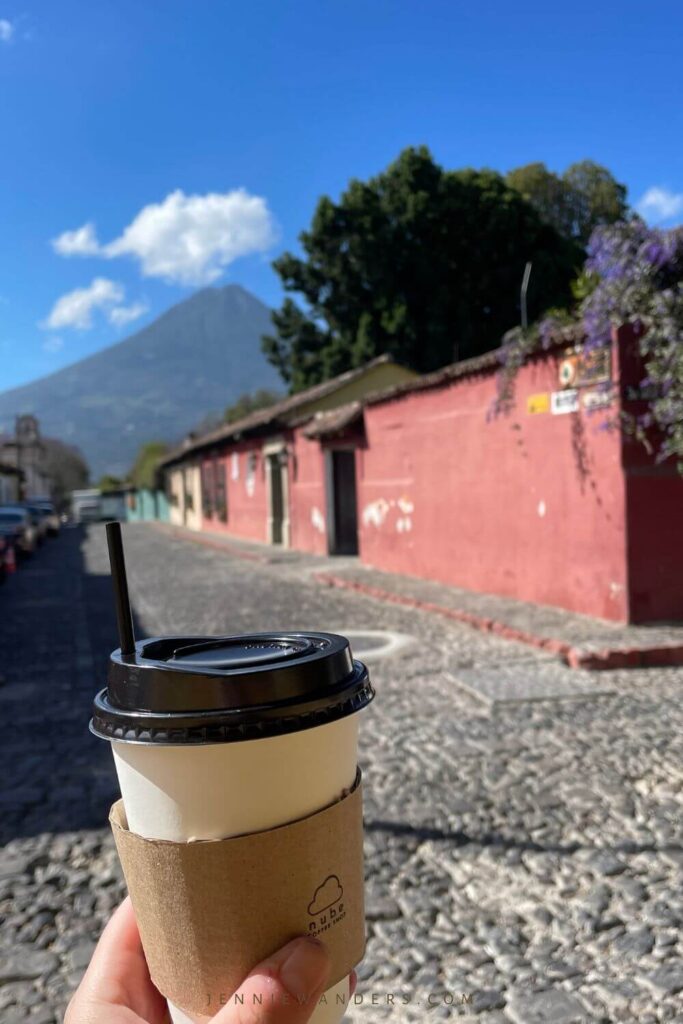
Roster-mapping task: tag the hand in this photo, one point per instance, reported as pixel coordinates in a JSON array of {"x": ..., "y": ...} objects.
[{"x": 117, "y": 988}]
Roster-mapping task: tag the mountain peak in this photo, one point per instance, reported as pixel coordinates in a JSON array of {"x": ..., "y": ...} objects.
[{"x": 196, "y": 358}]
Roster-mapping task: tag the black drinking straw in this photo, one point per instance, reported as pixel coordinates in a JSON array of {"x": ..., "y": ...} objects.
[{"x": 124, "y": 616}]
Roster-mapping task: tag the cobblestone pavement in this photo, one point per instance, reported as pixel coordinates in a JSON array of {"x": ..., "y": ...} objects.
[{"x": 524, "y": 860}]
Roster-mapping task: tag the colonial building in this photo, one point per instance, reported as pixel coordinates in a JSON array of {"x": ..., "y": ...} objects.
[
  {"x": 246, "y": 477},
  {"x": 10, "y": 483},
  {"x": 538, "y": 503},
  {"x": 26, "y": 452}
]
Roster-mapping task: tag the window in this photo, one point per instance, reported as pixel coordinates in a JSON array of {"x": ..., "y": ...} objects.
[
  {"x": 208, "y": 490},
  {"x": 169, "y": 491},
  {"x": 219, "y": 470},
  {"x": 250, "y": 478}
]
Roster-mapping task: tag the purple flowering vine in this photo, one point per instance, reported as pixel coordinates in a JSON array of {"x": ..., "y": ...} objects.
[{"x": 636, "y": 276}]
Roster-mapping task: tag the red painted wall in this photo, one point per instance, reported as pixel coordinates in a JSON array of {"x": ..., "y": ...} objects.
[
  {"x": 247, "y": 499},
  {"x": 654, "y": 510},
  {"x": 546, "y": 508},
  {"x": 525, "y": 505},
  {"x": 307, "y": 505}
]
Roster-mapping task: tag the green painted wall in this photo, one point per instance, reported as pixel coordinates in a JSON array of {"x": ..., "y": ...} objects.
[{"x": 144, "y": 505}]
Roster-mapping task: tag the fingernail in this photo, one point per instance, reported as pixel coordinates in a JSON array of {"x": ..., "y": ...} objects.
[{"x": 305, "y": 969}]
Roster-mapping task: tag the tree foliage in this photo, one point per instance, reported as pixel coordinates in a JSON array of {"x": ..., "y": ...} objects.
[
  {"x": 576, "y": 202},
  {"x": 66, "y": 468},
  {"x": 419, "y": 262},
  {"x": 248, "y": 403},
  {"x": 110, "y": 483},
  {"x": 143, "y": 475}
]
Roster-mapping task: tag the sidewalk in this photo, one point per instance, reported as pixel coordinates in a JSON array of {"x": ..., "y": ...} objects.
[{"x": 579, "y": 641}]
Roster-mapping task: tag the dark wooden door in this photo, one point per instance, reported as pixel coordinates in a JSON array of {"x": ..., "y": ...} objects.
[
  {"x": 277, "y": 502},
  {"x": 345, "y": 505}
]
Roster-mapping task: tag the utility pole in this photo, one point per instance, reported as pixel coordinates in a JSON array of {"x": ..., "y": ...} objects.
[{"x": 522, "y": 294}]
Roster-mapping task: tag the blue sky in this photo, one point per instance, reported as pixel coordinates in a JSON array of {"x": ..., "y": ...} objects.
[{"x": 196, "y": 137}]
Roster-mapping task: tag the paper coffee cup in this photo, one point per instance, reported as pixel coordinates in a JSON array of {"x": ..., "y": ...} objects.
[{"x": 284, "y": 709}]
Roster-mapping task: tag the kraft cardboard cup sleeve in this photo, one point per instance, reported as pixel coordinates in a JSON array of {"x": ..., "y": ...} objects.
[{"x": 231, "y": 752}]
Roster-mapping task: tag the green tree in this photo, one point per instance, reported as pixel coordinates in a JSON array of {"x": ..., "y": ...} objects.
[
  {"x": 575, "y": 202},
  {"x": 143, "y": 475},
  {"x": 598, "y": 198},
  {"x": 110, "y": 483},
  {"x": 248, "y": 403},
  {"x": 66, "y": 468},
  {"x": 419, "y": 262}
]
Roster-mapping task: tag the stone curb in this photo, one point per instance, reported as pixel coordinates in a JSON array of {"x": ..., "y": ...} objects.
[{"x": 573, "y": 657}]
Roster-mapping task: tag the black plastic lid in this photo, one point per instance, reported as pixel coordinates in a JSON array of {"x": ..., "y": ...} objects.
[{"x": 189, "y": 690}]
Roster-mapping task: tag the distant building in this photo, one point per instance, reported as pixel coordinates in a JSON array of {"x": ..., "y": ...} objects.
[
  {"x": 113, "y": 505},
  {"x": 245, "y": 477},
  {"x": 143, "y": 505},
  {"x": 86, "y": 505},
  {"x": 10, "y": 483},
  {"x": 126, "y": 504},
  {"x": 26, "y": 452}
]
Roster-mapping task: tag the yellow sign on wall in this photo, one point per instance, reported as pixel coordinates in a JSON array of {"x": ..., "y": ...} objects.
[{"x": 538, "y": 403}]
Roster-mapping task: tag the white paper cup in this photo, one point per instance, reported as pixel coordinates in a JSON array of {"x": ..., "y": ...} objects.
[
  {"x": 228, "y": 789},
  {"x": 183, "y": 791}
]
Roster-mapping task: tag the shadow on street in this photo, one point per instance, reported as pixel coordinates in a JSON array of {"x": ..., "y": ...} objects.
[{"x": 57, "y": 627}]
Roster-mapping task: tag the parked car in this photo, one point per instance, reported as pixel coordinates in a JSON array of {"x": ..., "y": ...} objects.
[
  {"x": 39, "y": 519},
  {"x": 89, "y": 513},
  {"x": 86, "y": 506},
  {"x": 50, "y": 515},
  {"x": 17, "y": 525}
]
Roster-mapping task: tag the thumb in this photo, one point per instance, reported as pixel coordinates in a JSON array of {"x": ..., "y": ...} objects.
[{"x": 284, "y": 989}]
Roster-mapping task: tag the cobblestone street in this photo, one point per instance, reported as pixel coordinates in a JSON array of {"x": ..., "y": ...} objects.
[{"x": 524, "y": 858}]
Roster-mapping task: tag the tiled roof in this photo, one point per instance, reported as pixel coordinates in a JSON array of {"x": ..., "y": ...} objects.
[
  {"x": 333, "y": 421},
  {"x": 466, "y": 368},
  {"x": 325, "y": 424},
  {"x": 274, "y": 415}
]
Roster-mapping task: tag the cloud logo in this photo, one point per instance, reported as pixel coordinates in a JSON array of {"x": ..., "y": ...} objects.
[{"x": 325, "y": 895}]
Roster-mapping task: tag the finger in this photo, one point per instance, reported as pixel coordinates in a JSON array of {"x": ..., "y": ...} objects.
[
  {"x": 117, "y": 975},
  {"x": 121, "y": 933},
  {"x": 284, "y": 989}
]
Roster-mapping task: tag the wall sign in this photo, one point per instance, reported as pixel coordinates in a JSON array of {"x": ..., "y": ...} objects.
[
  {"x": 568, "y": 371},
  {"x": 594, "y": 367},
  {"x": 597, "y": 398},
  {"x": 564, "y": 401},
  {"x": 580, "y": 370},
  {"x": 538, "y": 403}
]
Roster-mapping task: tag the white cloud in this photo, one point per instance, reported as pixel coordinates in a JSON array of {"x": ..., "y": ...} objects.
[
  {"x": 185, "y": 240},
  {"x": 122, "y": 315},
  {"x": 53, "y": 343},
  {"x": 6, "y": 30},
  {"x": 75, "y": 309},
  {"x": 659, "y": 204},
  {"x": 81, "y": 242}
]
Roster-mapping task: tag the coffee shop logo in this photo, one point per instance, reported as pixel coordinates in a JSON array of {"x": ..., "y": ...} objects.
[{"x": 327, "y": 905}]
